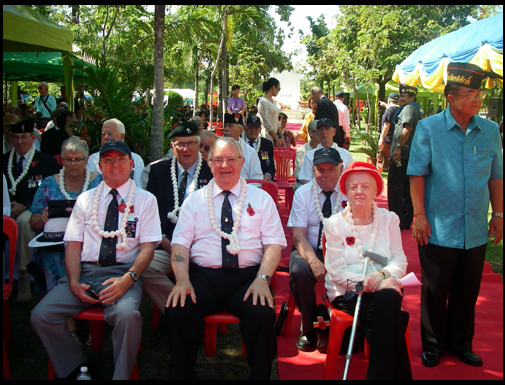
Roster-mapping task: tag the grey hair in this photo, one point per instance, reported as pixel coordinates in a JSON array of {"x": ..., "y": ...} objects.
[
  {"x": 223, "y": 141},
  {"x": 74, "y": 144},
  {"x": 119, "y": 125},
  {"x": 197, "y": 120},
  {"x": 451, "y": 88},
  {"x": 207, "y": 133},
  {"x": 44, "y": 84},
  {"x": 316, "y": 90}
]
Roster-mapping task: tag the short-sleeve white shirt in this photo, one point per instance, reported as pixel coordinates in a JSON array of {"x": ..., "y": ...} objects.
[
  {"x": 303, "y": 212},
  {"x": 252, "y": 165},
  {"x": 307, "y": 172},
  {"x": 145, "y": 217},
  {"x": 138, "y": 166},
  {"x": 194, "y": 230}
]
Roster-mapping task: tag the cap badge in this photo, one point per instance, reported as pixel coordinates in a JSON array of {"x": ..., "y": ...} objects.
[{"x": 188, "y": 130}]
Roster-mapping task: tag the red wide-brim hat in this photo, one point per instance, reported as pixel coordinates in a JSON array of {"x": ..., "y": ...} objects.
[{"x": 361, "y": 166}]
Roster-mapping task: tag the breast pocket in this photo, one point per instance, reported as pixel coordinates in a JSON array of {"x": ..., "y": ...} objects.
[
  {"x": 483, "y": 159},
  {"x": 132, "y": 228}
]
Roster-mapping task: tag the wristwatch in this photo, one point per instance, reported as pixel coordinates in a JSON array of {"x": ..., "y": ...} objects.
[
  {"x": 265, "y": 278},
  {"x": 494, "y": 214},
  {"x": 134, "y": 276},
  {"x": 398, "y": 145}
]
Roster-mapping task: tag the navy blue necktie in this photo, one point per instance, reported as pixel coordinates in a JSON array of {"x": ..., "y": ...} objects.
[
  {"x": 182, "y": 186},
  {"x": 230, "y": 261},
  {"x": 107, "y": 256},
  {"x": 326, "y": 210}
]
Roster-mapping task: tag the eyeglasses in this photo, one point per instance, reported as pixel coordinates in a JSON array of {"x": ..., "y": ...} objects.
[
  {"x": 206, "y": 148},
  {"x": 231, "y": 161},
  {"x": 72, "y": 161},
  {"x": 278, "y": 87},
  {"x": 351, "y": 293},
  {"x": 23, "y": 138},
  {"x": 471, "y": 95},
  {"x": 109, "y": 160},
  {"x": 182, "y": 145}
]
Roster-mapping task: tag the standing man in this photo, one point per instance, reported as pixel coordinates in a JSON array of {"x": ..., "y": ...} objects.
[
  {"x": 102, "y": 270},
  {"x": 325, "y": 132},
  {"x": 25, "y": 168},
  {"x": 456, "y": 169},
  {"x": 236, "y": 105},
  {"x": 216, "y": 271},
  {"x": 405, "y": 122},
  {"x": 306, "y": 265},
  {"x": 233, "y": 127},
  {"x": 386, "y": 135},
  {"x": 114, "y": 129},
  {"x": 326, "y": 109},
  {"x": 44, "y": 105},
  {"x": 343, "y": 113},
  {"x": 263, "y": 147},
  {"x": 171, "y": 181}
]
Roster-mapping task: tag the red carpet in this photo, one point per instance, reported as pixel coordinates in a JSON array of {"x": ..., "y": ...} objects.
[{"x": 488, "y": 340}]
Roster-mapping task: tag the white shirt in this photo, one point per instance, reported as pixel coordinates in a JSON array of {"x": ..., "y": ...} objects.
[
  {"x": 252, "y": 165},
  {"x": 138, "y": 166},
  {"x": 307, "y": 172},
  {"x": 194, "y": 230},
  {"x": 343, "y": 262},
  {"x": 303, "y": 212},
  {"x": 145, "y": 213},
  {"x": 343, "y": 116}
]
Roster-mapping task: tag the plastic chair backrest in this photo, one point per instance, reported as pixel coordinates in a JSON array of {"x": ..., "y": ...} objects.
[
  {"x": 58, "y": 159},
  {"x": 10, "y": 228},
  {"x": 268, "y": 186},
  {"x": 284, "y": 158}
]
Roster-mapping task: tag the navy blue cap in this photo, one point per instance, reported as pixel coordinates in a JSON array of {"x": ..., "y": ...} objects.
[
  {"x": 325, "y": 122},
  {"x": 115, "y": 145}
]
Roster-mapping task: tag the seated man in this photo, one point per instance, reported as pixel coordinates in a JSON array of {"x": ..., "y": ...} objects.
[
  {"x": 233, "y": 127},
  {"x": 105, "y": 255},
  {"x": 263, "y": 147},
  {"x": 306, "y": 264},
  {"x": 326, "y": 132},
  {"x": 25, "y": 168},
  {"x": 225, "y": 269},
  {"x": 114, "y": 129},
  {"x": 171, "y": 181}
]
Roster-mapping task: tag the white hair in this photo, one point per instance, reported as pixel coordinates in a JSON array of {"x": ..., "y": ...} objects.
[{"x": 119, "y": 125}]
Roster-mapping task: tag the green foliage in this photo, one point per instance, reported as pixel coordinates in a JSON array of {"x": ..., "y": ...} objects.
[
  {"x": 369, "y": 143},
  {"x": 174, "y": 99}
]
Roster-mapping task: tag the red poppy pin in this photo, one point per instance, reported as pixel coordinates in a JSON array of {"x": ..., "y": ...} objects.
[
  {"x": 34, "y": 163},
  {"x": 122, "y": 207},
  {"x": 250, "y": 210},
  {"x": 350, "y": 241},
  {"x": 344, "y": 204}
]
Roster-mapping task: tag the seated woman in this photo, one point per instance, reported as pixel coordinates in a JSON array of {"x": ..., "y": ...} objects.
[
  {"x": 73, "y": 179},
  {"x": 364, "y": 227}
]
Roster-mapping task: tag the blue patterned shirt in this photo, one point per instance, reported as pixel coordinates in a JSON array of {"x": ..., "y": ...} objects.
[{"x": 457, "y": 168}]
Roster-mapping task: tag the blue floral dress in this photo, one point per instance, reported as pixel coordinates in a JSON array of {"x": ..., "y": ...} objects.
[{"x": 52, "y": 259}]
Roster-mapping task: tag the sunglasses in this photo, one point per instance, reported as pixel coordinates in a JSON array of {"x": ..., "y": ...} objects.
[
  {"x": 351, "y": 293},
  {"x": 206, "y": 148}
]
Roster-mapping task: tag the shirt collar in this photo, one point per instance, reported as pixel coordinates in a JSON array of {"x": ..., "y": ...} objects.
[
  {"x": 191, "y": 170},
  {"x": 320, "y": 190},
  {"x": 218, "y": 190},
  {"x": 451, "y": 122},
  {"x": 122, "y": 190}
]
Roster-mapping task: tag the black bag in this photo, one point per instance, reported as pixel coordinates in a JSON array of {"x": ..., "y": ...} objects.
[{"x": 60, "y": 208}]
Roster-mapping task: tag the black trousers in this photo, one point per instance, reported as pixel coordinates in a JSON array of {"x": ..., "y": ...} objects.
[
  {"x": 399, "y": 199},
  {"x": 217, "y": 290},
  {"x": 451, "y": 284},
  {"x": 302, "y": 283},
  {"x": 384, "y": 325}
]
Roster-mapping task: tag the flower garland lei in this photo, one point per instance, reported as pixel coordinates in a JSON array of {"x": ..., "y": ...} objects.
[
  {"x": 173, "y": 214},
  {"x": 119, "y": 233},
  {"x": 61, "y": 182},
  {"x": 318, "y": 207},
  {"x": 233, "y": 247},
  {"x": 28, "y": 163},
  {"x": 375, "y": 229}
]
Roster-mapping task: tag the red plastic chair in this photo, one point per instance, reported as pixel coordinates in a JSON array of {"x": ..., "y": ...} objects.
[
  {"x": 10, "y": 228},
  {"x": 58, "y": 159},
  {"x": 284, "y": 159},
  {"x": 218, "y": 126},
  {"x": 269, "y": 186},
  {"x": 96, "y": 326}
]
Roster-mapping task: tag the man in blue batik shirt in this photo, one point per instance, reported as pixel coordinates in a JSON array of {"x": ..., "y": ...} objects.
[{"x": 456, "y": 169}]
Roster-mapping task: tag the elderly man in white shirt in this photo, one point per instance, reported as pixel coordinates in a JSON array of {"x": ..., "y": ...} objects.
[
  {"x": 225, "y": 247},
  {"x": 313, "y": 202},
  {"x": 111, "y": 236},
  {"x": 233, "y": 127},
  {"x": 114, "y": 129},
  {"x": 325, "y": 132},
  {"x": 343, "y": 112}
]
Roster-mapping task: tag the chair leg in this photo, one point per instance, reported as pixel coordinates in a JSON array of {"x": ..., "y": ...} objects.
[
  {"x": 223, "y": 328},
  {"x": 210, "y": 338},
  {"x": 135, "y": 373},
  {"x": 50, "y": 370},
  {"x": 155, "y": 322},
  {"x": 289, "y": 316},
  {"x": 96, "y": 328},
  {"x": 337, "y": 330}
]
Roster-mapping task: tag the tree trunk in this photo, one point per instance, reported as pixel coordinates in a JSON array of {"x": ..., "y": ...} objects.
[
  {"x": 216, "y": 64},
  {"x": 157, "y": 142},
  {"x": 223, "y": 95}
]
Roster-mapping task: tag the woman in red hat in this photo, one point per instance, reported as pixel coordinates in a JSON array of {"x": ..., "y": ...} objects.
[{"x": 362, "y": 227}]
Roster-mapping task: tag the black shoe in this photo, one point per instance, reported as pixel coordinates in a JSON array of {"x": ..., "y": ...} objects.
[
  {"x": 307, "y": 342},
  {"x": 470, "y": 358},
  {"x": 430, "y": 359}
]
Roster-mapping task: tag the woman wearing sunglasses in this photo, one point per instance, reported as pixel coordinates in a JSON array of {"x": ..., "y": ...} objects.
[{"x": 349, "y": 234}]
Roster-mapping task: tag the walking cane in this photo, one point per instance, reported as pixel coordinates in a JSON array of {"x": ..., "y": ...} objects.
[{"x": 348, "y": 356}]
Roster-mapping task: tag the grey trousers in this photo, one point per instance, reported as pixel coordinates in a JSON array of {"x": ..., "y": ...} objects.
[
  {"x": 48, "y": 319},
  {"x": 302, "y": 284}
]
